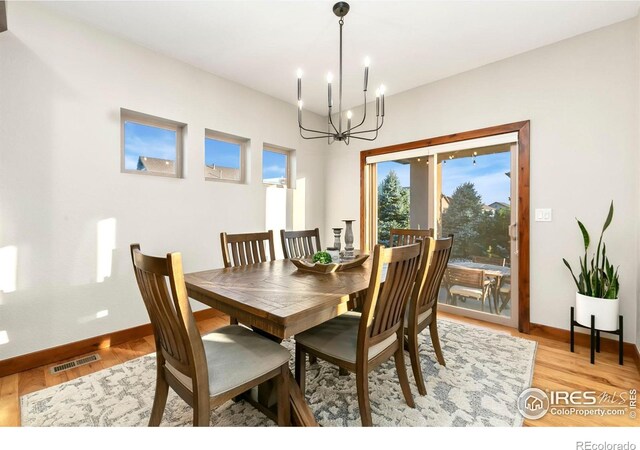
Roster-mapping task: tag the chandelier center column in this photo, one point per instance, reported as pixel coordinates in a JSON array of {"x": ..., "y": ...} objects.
[{"x": 341, "y": 22}]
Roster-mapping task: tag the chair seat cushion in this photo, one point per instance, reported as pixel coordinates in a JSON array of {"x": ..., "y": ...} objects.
[
  {"x": 338, "y": 338},
  {"x": 236, "y": 355},
  {"x": 505, "y": 288},
  {"x": 421, "y": 317},
  {"x": 466, "y": 291}
]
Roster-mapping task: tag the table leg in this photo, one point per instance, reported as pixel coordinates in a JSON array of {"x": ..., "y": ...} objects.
[
  {"x": 266, "y": 401},
  {"x": 301, "y": 414}
]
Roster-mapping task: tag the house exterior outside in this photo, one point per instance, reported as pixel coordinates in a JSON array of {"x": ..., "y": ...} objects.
[{"x": 156, "y": 165}]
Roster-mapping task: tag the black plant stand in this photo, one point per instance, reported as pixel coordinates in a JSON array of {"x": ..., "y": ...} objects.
[{"x": 595, "y": 337}]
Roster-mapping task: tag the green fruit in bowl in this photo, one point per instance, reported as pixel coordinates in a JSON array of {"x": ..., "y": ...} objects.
[{"x": 322, "y": 258}]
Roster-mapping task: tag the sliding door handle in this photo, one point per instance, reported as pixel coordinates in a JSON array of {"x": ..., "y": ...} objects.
[{"x": 513, "y": 232}]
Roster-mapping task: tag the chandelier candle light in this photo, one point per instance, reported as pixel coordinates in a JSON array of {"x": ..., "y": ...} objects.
[{"x": 334, "y": 133}]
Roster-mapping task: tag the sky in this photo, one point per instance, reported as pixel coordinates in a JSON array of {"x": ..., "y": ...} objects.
[
  {"x": 274, "y": 165},
  {"x": 144, "y": 140},
  {"x": 220, "y": 153},
  {"x": 488, "y": 175}
]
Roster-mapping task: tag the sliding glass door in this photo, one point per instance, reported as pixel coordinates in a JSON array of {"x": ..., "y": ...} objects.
[
  {"x": 470, "y": 192},
  {"x": 475, "y": 204}
]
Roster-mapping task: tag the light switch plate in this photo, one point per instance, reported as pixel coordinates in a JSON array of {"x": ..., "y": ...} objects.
[{"x": 543, "y": 215}]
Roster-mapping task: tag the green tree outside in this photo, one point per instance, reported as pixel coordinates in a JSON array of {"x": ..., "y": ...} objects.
[
  {"x": 393, "y": 206},
  {"x": 494, "y": 233},
  {"x": 462, "y": 219},
  {"x": 477, "y": 232}
]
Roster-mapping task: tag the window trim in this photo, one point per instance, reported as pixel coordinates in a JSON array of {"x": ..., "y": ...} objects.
[
  {"x": 127, "y": 115},
  {"x": 289, "y": 153},
  {"x": 231, "y": 139}
]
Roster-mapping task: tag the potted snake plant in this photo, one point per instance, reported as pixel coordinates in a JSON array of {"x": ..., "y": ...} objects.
[{"x": 598, "y": 284}]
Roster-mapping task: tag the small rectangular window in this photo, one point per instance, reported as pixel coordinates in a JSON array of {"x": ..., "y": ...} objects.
[
  {"x": 276, "y": 166},
  {"x": 224, "y": 157},
  {"x": 151, "y": 145}
]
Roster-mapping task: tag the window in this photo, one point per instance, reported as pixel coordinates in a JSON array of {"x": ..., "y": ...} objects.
[
  {"x": 224, "y": 157},
  {"x": 151, "y": 145},
  {"x": 276, "y": 166}
]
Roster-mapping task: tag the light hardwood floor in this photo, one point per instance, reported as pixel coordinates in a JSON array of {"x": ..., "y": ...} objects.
[{"x": 555, "y": 368}]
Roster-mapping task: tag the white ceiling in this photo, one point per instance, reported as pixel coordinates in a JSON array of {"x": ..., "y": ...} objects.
[{"x": 260, "y": 44}]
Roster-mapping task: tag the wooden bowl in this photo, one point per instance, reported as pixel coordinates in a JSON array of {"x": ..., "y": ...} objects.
[{"x": 308, "y": 265}]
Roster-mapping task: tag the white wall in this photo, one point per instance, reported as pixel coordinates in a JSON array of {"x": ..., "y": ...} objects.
[
  {"x": 62, "y": 85},
  {"x": 581, "y": 96}
]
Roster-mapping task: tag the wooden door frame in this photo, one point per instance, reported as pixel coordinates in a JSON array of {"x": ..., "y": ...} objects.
[{"x": 523, "y": 130}]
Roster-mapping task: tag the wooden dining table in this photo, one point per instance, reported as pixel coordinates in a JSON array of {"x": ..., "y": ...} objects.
[{"x": 278, "y": 300}]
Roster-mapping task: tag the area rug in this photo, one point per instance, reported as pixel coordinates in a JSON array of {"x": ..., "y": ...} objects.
[{"x": 485, "y": 373}]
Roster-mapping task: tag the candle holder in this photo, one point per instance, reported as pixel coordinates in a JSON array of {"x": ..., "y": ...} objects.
[
  {"x": 348, "y": 240},
  {"x": 336, "y": 238}
]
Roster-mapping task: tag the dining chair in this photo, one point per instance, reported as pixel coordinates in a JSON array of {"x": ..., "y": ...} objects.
[
  {"x": 299, "y": 244},
  {"x": 406, "y": 236},
  {"x": 205, "y": 371},
  {"x": 246, "y": 248},
  {"x": 359, "y": 342},
  {"x": 469, "y": 283},
  {"x": 401, "y": 236},
  {"x": 422, "y": 310},
  {"x": 504, "y": 292},
  {"x": 493, "y": 260}
]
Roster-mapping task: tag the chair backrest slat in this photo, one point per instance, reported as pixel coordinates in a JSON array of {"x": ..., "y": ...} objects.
[
  {"x": 383, "y": 310},
  {"x": 255, "y": 255},
  {"x": 243, "y": 253},
  {"x": 244, "y": 260},
  {"x": 173, "y": 343},
  {"x": 431, "y": 274},
  {"x": 246, "y": 248},
  {"x": 399, "y": 236},
  {"x": 178, "y": 342},
  {"x": 308, "y": 247},
  {"x": 300, "y": 244}
]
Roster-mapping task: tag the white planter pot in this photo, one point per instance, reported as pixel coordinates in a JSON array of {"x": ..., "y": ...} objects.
[{"x": 605, "y": 311}]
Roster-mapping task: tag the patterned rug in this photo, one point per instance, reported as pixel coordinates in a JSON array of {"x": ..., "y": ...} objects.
[{"x": 485, "y": 373}]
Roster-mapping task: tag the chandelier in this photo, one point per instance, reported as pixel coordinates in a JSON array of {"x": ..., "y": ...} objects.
[{"x": 336, "y": 133}]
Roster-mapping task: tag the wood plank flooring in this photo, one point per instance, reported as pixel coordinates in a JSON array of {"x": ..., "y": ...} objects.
[{"x": 555, "y": 368}]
